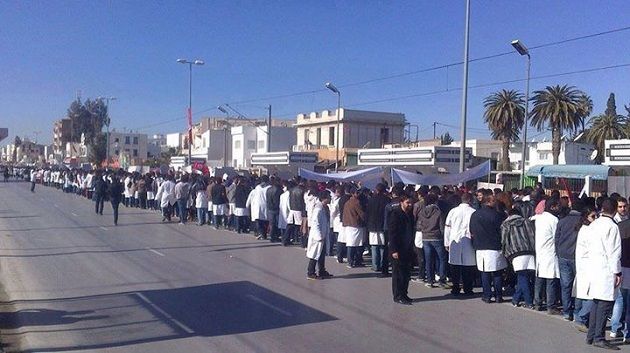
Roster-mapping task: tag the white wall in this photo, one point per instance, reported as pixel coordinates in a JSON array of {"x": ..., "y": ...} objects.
[
  {"x": 244, "y": 143},
  {"x": 282, "y": 139},
  {"x": 173, "y": 140}
]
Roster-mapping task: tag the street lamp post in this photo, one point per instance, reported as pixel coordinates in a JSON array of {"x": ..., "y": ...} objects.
[
  {"x": 522, "y": 49},
  {"x": 227, "y": 117},
  {"x": 334, "y": 89},
  {"x": 462, "y": 150},
  {"x": 107, "y": 100},
  {"x": 190, "y": 64}
]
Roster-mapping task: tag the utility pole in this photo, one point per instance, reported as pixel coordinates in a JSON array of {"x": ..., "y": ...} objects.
[
  {"x": 462, "y": 151},
  {"x": 434, "y": 124},
  {"x": 269, "y": 130}
]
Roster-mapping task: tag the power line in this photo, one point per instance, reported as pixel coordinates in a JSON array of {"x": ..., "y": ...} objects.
[{"x": 424, "y": 70}]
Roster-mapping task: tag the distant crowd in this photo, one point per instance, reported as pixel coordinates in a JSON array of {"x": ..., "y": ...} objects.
[{"x": 565, "y": 255}]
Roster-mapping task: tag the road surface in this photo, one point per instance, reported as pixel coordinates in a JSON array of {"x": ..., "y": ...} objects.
[{"x": 74, "y": 282}]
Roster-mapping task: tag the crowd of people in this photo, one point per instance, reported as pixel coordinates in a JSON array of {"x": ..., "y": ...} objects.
[{"x": 566, "y": 255}]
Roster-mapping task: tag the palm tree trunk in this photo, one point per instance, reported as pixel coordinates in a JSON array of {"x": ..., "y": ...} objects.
[
  {"x": 555, "y": 143},
  {"x": 505, "y": 155}
]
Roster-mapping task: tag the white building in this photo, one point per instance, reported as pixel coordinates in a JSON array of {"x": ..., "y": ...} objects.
[
  {"x": 156, "y": 144},
  {"x": 249, "y": 139},
  {"x": 539, "y": 153},
  {"x": 213, "y": 146},
  {"x": 316, "y": 131},
  {"x": 617, "y": 152},
  {"x": 174, "y": 140},
  {"x": 482, "y": 148},
  {"x": 131, "y": 146},
  {"x": 429, "y": 160}
]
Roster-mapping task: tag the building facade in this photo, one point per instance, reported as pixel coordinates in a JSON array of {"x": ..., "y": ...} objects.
[
  {"x": 317, "y": 131},
  {"x": 129, "y": 146},
  {"x": 62, "y": 134}
]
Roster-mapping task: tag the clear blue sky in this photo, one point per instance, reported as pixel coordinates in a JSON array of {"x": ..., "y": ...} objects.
[{"x": 256, "y": 49}]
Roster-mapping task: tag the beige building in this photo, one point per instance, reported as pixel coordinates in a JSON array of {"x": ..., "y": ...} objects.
[
  {"x": 132, "y": 146},
  {"x": 62, "y": 133},
  {"x": 317, "y": 131}
]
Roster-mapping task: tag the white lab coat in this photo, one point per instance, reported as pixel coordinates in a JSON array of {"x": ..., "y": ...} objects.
[
  {"x": 580, "y": 285},
  {"x": 128, "y": 192},
  {"x": 457, "y": 236},
  {"x": 283, "y": 218},
  {"x": 546, "y": 258},
  {"x": 335, "y": 216},
  {"x": 201, "y": 201},
  {"x": 603, "y": 261},
  {"x": 166, "y": 194},
  {"x": 257, "y": 202},
  {"x": 320, "y": 226},
  {"x": 309, "y": 201}
]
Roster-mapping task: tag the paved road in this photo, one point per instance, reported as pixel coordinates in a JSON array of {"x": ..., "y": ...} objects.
[{"x": 73, "y": 282}]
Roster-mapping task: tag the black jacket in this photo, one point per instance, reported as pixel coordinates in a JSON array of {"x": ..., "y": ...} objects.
[
  {"x": 296, "y": 200},
  {"x": 115, "y": 190},
  {"x": 394, "y": 204},
  {"x": 401, "y": 234},
  {"x": 517, "y": 237},
  {"x": 273, "y": 198},
  {"x": 376, "y": 212},
  {"x": 218, "y": 194},
  {"x": 485, "y": 228},
  {"x": 100, "y": 187},
  {"x": 566, "y": 235},
  {"x": 624, "y": 232},
  {"x": 240, "y": 196}
]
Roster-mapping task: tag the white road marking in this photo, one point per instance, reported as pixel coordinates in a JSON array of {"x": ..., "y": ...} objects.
[
  {"x": 269, "y": 305},
  {"x": 155, "y": 252},
  {"x": 103, "y": 228},
  {"x": 74, "y": 214},
  {"x": 164, "y": 313}
]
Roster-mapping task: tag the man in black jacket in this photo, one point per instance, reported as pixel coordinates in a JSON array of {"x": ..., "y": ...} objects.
[
  {"x": 297, "y": 212},
  {"x": 115, "y": 190},
  {"x": 565, "y": 240},
  {"x": 485, "y": 228},
  {"x": 273, "y": 208},
  {"x": 401, "y": 236},
  {"x": 100, "y": 190}
]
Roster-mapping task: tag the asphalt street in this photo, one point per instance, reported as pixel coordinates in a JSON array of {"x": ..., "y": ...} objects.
[{"x": 74, "y": 282}]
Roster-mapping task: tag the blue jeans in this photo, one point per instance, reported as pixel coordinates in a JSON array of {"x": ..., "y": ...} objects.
[
  {"x": 551, "y": 284},
  {"x": 523, "y": 287},
  {"x": 201, "y": 215},
  {"x": 331, "y": 240},
  {"x": 431, "y": 249},
  {"x": 567, "y": 276},
  {"x": 617, "y": 319},
  {"x": 377, "y": 257},
  {"x": 355, "y": 256},
  {"x": 488, "y": 279},
  {"x": 183, "y": 212},
  {"x": 582, "y": 311}
]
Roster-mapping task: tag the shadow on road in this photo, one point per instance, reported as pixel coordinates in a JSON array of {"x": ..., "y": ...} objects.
[{"x": 122, "y": 319}]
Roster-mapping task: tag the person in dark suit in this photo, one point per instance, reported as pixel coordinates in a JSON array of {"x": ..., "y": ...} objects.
[
  {"x": 400, "y": 226},
  {"x": 115, "y": 190}
]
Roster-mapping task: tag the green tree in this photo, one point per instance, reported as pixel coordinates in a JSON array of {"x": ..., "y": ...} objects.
[
  {"x": 88, "y": 119},
  {"x": 98, "y": 149},
  {"x": 505, "y": 116},
  {"x": 605, "y": 127},
  {"x": 611, "y": 107},
  {"x": 586, "y": 108},
  {"x": 557, "y": 107},
  {"x": 446, "y": 139}
]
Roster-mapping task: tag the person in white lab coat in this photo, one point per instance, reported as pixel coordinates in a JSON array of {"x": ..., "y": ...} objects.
[
  {"x": 257, "y": 204},
  {"x": 583, "y": 302},
  {"x": 283, "y": 218},
  {"x": 166, "y": 195},
  {"x": 319, "y": 219},
  {"x": 603, "y": 272},
  {"x": 458, "y": 243},
  {"x": 547, "y": 268}
]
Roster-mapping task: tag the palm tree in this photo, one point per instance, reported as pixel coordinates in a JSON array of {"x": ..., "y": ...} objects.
[
  {"x": 605, "y": 127},
  {"x": 505, "y": 115},
  {"x": 558, "y": 107},
  {"x": 586, "y": 108}
]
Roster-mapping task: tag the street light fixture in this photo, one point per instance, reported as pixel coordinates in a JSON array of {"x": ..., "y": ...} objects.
[
  {"x": 190, "y": 64},
  {"x": 522, "y": 50},
  {"x": 334, "y": 89}
]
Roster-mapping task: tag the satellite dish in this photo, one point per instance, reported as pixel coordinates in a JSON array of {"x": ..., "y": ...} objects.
[{"x": 594, "y": 155}]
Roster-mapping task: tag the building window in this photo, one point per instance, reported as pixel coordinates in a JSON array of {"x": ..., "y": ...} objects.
[
  {"x": 318, "y": 136},
  {"x": 135, "y": 140},
  {"x": 331, "y": 136},
  {"x": 543, "y": 155},
  {"x": 384, "y": 136},
  {"x": 261, "y": 144},
  {"x": 251, "y": 144},
  {"x": 127, "y": 140},
  {"x": 237, "y": 144},
  {"x": 135, "y": 153},
  {"x": 307, "y": 139}
]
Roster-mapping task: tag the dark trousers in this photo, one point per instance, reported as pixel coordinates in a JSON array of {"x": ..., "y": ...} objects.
[
  {"x": 321, "y": 265},
  {"x": 261, "y": 228},
  {"x": 489, "y": 280},
  {"x": 523, "y": 287},
  {"x": 401, "y": 274},
  {"x": 32, "y": 186},
  {"x": 600, "y": 311},
  {"x": 142, "y": 199},
  {"x": 551, "y": 288},
  {"x": 385, "y": 266},
  {"x": 115, "y": 205},
  {"x": 465, "y": 275},
  {"x": 100, "y": 201},
  {"x": 241, "y": 224},
  {"x": 330, "y": 243},
  {"x": 273, "y": 224},
  {"x": 567, "y": 275},
  {"x": 341, "y": 251},
  {"x": 166, "y": 212},
  {"x": 421, "y": 265}
]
